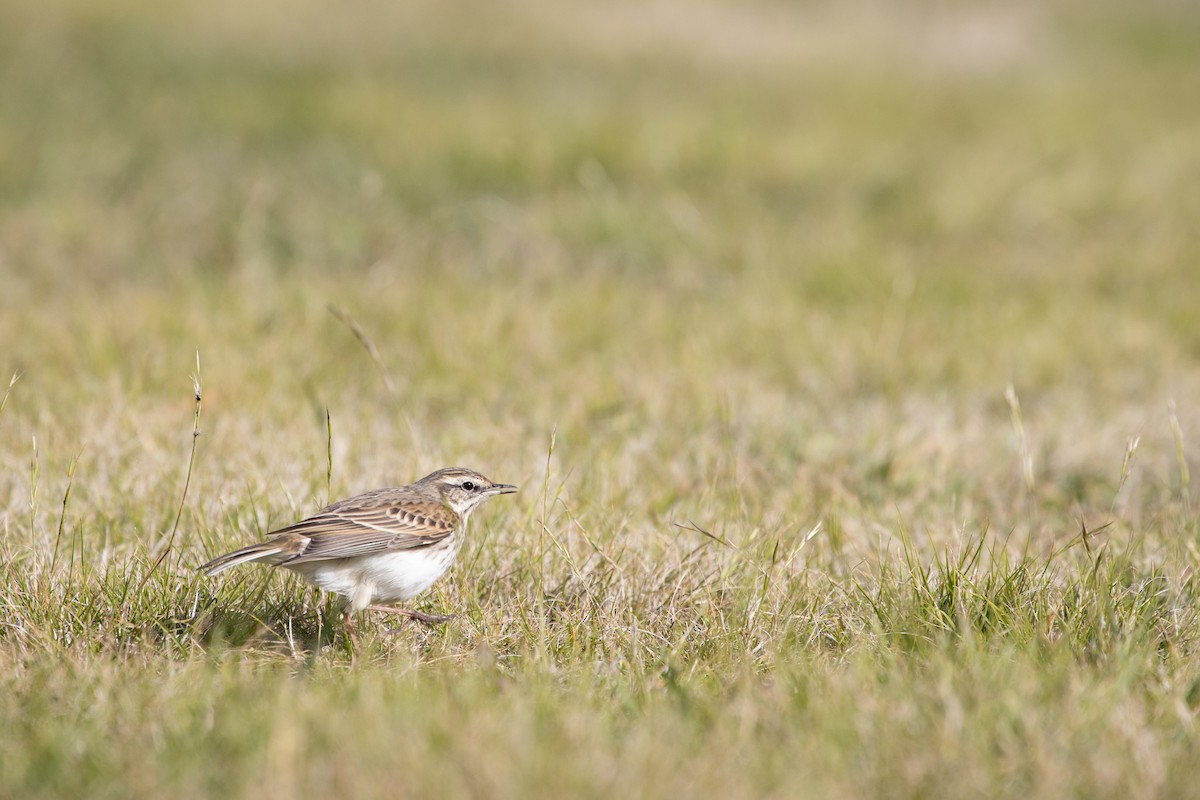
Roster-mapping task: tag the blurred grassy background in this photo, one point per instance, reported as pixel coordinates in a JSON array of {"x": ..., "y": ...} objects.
[{"x": 757, "y": 267}]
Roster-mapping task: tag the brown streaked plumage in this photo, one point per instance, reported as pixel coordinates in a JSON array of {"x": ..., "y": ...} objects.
[{"x": 379, "y": 547}]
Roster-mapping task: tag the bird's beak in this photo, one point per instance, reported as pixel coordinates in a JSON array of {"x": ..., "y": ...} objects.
[{"x": 502, "y": 488}]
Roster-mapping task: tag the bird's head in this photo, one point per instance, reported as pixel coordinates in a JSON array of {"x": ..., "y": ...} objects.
[{"x": 463, "y": 489}]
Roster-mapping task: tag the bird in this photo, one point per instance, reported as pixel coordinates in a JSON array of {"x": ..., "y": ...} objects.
[{"x": 381, "y": 547}]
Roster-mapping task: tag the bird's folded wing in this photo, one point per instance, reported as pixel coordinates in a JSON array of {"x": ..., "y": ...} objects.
[{"x": 346, "y": 532}]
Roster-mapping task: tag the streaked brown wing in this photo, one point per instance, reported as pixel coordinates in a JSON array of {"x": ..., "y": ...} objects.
[{"x": 372, "y": 523}]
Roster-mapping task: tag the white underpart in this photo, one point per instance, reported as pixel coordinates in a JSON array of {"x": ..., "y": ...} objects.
[{"x": 383, "y": 577}]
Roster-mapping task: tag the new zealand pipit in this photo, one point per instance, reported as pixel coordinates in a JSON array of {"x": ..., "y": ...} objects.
[{"x": 380, "y": 547}]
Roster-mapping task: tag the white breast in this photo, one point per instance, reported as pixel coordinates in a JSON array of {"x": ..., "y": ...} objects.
[{"x": 382, "y": 577}]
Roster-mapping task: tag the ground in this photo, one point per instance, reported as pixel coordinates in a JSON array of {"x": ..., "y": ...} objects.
[{"x": 846, "y": 355}]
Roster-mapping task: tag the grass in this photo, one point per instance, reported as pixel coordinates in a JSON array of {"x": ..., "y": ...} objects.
[{"x": 845, "y": 356}]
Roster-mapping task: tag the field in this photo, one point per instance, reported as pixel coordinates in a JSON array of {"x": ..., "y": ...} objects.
[{"x": 847, "y": 356}]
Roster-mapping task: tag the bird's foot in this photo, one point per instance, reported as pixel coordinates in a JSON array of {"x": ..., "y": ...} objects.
[
  {"x": 431, "y": 619},
  {"x": 425, "y": 619}
]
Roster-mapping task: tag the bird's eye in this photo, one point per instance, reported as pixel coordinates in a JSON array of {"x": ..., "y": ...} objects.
[{"x": 469, "y": 485}]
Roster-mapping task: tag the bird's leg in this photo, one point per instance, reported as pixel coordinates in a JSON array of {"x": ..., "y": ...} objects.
[
  {"x": 423, "y": 618},
  {"x": 348, "y": 623}
]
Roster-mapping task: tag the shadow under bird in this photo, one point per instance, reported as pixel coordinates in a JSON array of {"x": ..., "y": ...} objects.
[{"x": 380, "y": 547}]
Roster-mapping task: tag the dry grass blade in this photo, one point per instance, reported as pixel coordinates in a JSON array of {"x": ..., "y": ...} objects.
[
  {"x": 11, "y": 383},
  {"x": 62, "y": 517},
  {"x": 343, "y": 316},
  {"x": 187, "y": 480},
  {"x": 692, "y": 526}
]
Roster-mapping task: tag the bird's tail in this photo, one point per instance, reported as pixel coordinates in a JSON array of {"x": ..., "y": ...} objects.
[{"x": 263, "y": 551}]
